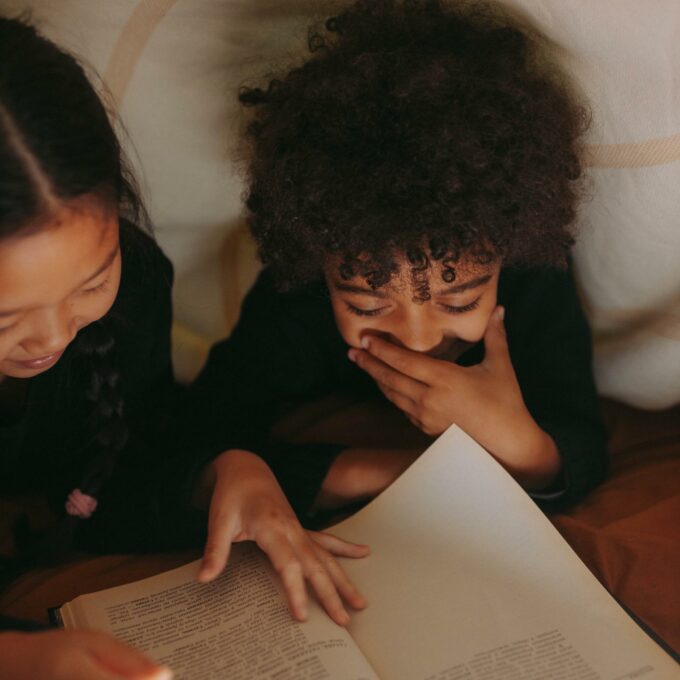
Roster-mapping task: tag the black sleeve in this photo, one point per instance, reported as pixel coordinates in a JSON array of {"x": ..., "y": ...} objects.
[
  {"x": 550, "y": 347},
  {"x": 278, "y": 352},
  {"x": 8, "y": 623},
  {"x": 145, "y": 504}
]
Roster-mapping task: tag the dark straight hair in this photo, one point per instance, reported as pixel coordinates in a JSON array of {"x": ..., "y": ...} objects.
[{"x": 57, "y": 145}]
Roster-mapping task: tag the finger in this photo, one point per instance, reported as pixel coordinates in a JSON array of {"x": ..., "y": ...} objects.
[
  {"x": 338, "y": 546},
  {"x": 495, "y": 339},
  {"x": 416, "y": 365},
  {"x": 403, "y": 403},
  {"x": 415, "y": 421},
  {"x": 388, "y": 376},
  {"x": 115, "y": 659},
  {"x": 285, "y": 562},
  {"x": 343, "y": 585},
  {"x": 221, "y": 533},
  {"x": 319, "y": 578},
  {"x": 89, "y": 668}
]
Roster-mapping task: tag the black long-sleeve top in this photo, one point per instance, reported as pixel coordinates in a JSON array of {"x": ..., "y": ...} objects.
[
  {"x": 286, "y": 347},
  {"x": 43, "y": 448}
]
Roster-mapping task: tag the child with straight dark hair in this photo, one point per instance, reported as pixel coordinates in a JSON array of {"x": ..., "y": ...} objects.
[
  {"x": 413, "y": 188},
  {"x": 86, "y": 385}
]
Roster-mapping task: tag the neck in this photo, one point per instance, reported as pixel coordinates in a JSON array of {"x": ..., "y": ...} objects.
[{"x": 12, "y": 396}]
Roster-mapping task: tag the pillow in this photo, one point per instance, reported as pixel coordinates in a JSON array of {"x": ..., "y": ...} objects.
[
  {"x": 625, "y": 57},
  {"x": 173, "y": 68}
]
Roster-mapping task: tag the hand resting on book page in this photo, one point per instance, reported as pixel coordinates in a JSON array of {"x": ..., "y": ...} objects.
[
  {"x": 73, "y": 655},
  {"x": 484, "y": 400},
  {"x": 247, "y": 504}
]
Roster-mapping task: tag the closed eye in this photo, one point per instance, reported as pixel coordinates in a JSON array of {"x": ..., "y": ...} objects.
[
  {"x": 453, "y": 309},
  {"x": 3, "y": 329},
  {"x": 97, "y": 289},
  {"x": 364, "y": 312}
]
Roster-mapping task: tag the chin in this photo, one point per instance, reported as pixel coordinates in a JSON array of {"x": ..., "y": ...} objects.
[
  {"x": 14, "y": 371},
  {"x": 22, "y": 372}
]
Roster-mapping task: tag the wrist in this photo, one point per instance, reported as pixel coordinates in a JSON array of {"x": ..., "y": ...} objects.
[
  {"x": 532, "y": 458},
  {"x": 227, "y": 465}
]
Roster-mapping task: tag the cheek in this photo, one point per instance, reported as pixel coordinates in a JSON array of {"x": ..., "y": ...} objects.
[
  {"x": 350, "y": 326},
  {"x": 99, "y": 304},
  {"x": 8, "y": 341},
  {"x": 89, "y": 308},
  {"x": 88, "y": 311},
  {"x": 472, "y": 327}
]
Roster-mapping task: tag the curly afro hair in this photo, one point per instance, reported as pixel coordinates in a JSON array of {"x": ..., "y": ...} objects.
[{"x": 415, "y": 129}]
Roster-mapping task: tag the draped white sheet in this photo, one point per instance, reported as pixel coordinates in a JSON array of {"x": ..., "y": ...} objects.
[{"x": 173, "y": 68}]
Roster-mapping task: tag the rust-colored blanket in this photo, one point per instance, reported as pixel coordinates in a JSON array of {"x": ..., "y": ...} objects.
[{"x": 627, "y": 531}]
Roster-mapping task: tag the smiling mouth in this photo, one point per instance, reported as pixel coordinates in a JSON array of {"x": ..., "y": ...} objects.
[{"x": 41, "y": 362}]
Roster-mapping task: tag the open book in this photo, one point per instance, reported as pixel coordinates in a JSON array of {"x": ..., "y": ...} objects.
[{"x": 467, "y": 580}]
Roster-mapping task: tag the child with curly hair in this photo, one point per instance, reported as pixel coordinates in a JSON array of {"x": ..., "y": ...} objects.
[{"x": 412, "y": 190}]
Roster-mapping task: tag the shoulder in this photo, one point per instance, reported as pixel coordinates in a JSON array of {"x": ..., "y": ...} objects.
[
  {"x": 540, "y": 295},
  {"x": 143, "y": 306},
  {"x": 544, "y": 315},
  {"x": 305, "y": 305},
  {"x": 289, "y": 325},
  {"x": 146, "y": 274},
  {"x": 143, "y": 260},
  {"x": 534, "y": 282}
]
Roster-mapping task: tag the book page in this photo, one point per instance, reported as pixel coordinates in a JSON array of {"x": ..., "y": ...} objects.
[
  {"x": 237, "y": 627},
  {"x": 468, "y": 580}
]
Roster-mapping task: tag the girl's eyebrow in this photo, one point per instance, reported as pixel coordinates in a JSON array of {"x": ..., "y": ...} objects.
[
  {"x": 359, "y": 290},
  {"x": 466, "y": 285}
]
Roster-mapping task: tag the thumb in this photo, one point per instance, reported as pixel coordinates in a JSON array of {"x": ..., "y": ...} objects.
[
  {"x": 111, "y": 658},
  {"x": 92, "y": 669},
  {"x": 495, "y": 339},
  {"x": 221, "y": 533}
]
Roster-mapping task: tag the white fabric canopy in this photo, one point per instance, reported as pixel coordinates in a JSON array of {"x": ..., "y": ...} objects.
[{"x": 173, "y": 68}]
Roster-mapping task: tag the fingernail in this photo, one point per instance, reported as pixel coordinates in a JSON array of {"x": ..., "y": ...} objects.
[
  {"x": 352, "y": 354},
  {"x": 162, "y": 673},
  {"x": 501, "y": 313},
  {"x": 343, "y": 618},
  {"x": 365, "y": 342}
]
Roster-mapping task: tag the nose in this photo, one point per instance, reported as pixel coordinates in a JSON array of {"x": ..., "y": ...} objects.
[
  {"x": 53, "y": 330},
  {"x": 417, "y": 332}
]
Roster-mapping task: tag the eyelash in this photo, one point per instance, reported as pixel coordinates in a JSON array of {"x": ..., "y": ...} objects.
[
  {"x": 363, "y": 312},
  {"x": 90, "y": 291},
  {"x": 97, "y": 289},
  {"x": 449, "y": 309},
  {"x": 461, "y": 310}
]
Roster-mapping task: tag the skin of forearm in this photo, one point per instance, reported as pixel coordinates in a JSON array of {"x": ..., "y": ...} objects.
[
  {"x": 527, "y": 452},
  {"x": 360, "y": 474}
]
